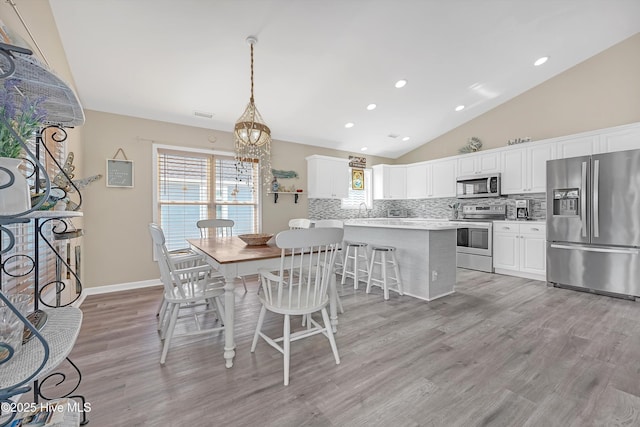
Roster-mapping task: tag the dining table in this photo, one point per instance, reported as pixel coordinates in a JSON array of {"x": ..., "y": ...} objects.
[{"x": 233, "y": 258}]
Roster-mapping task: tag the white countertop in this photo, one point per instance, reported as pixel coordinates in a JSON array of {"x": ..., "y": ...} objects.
[{"x": 412, "y": 223}]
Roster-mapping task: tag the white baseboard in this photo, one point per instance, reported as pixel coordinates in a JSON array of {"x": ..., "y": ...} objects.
[{"x": 116, "y": 288}]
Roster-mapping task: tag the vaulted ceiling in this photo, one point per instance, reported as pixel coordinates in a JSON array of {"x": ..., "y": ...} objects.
[{"x": 319, "y": 63}]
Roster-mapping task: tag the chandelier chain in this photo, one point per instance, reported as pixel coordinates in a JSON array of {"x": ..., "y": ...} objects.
[{"x": 252, "y": 72}]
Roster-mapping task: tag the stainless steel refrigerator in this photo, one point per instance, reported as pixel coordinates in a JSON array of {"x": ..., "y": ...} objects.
[{"x": 593, "y": 222}]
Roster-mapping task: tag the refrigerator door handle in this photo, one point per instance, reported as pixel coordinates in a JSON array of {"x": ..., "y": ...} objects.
[
  {"x": 596, "y": 198},
  {"x": 583, "y": 200},
  {"x": 629, "y": 251}
]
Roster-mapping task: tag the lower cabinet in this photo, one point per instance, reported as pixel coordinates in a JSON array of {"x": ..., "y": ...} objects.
[{"x": 519, "y": 249}]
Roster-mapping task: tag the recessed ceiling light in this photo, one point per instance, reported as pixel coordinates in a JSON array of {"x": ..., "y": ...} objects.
[
  {"x": 401, "y": 83},
  {"x": 364, "y": 149},
  {"x": 541, "y": 61},
  {"x": 406, "y": 138},
  {"x": 460, "y": 108},
  {"x": 349, "y": 125},
  {"x": 371, "y": 107}
]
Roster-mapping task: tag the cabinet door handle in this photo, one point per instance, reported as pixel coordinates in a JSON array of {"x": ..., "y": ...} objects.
[
  {"x": 506, "y": 228},
  {"x": 535, "y": 229}
]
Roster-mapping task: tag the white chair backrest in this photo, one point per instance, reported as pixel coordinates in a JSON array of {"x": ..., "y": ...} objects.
[
  {"x": 219, "y": 227},
  {"x": 299, "y": 223},
  {"x": 335, "y": 223},
  {"x": 306, "y": 266},
  {"x": 182, "y": 281}
]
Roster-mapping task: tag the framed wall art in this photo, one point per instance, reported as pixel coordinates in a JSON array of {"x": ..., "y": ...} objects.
[
  {"x": 357, "y": 179},
  {"x": 119, "y": 173}
]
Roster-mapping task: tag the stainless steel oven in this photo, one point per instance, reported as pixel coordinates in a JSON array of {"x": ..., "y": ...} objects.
[
  {"x": 474, "y": 249},
  {"x": 475, "y": 239}
]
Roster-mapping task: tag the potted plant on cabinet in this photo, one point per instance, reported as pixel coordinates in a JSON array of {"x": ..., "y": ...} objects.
[{"x": 21, "y": 116}]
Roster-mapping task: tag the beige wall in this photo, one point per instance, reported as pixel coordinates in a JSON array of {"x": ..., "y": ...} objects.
[
  {"x": 601, "y": 92},
  {"x": 117, "y": 243}
]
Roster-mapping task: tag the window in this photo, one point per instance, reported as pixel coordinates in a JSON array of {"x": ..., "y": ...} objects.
[
  {"x": 357, "y": 197},
  {"x": 194, "y": 185}
]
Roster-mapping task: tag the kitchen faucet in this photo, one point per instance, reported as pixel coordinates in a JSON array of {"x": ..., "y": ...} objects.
[{"x": 365, "y": 209}]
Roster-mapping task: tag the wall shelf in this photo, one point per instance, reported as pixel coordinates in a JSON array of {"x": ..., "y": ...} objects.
[{"x": 296, "y": 194}]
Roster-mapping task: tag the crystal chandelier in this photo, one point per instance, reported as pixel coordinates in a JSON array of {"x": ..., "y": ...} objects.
[{"x": 252, "y": 136}]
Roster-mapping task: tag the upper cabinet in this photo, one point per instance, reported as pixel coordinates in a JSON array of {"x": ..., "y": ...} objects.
[
  {"x": 327, "y": 177},
  {"x": 389, "y": 182},
  {"x": 419, "y": 182},
  {"x": 478, "y": 163},
  {"x": 443, "y": 178},
  {"x": 524, "y": 168},
  {"x": 578, "y": 146},
  {"x": 620, "y": 140}
]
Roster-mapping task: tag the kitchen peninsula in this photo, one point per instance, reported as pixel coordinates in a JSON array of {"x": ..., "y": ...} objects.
[{"x": 425, "y": 250}]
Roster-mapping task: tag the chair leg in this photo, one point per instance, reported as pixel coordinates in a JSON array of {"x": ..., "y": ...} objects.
[
  {"x": 256, "y": 335},
  {"x": 332, "y": 340},
  {"x": 219, "y": 309},
  {"x": 244, "y": 283},
  {"x": 345, "y": 261},
  {"x": 161, "y": 307},
  {"x": 161, "y": 313},
  {"x": 385, "y": 285},
  {"x": 172, "y": 324},
  {"x": 286, "y": 340},
  {"x": 370, "y": 275},
  {"x": 163, "y": 322},
  {"x": 397, "y": 272}
]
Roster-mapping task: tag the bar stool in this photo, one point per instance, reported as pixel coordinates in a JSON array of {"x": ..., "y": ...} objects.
[
  {"x": 382, "y": 282},
  {"x": 359, "y": 250}
]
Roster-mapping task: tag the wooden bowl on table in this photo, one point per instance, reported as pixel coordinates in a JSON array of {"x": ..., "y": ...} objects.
[{"x": 255, "y": 239}]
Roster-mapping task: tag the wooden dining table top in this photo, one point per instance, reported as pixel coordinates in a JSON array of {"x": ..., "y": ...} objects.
[{"x": 230, "y": 249}]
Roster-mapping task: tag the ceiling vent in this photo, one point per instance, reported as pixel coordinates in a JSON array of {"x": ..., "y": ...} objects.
[{"x": 203, "y": 114}]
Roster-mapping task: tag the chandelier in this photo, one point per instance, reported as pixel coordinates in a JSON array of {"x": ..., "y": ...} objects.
[{"x": 252, "y": 136}]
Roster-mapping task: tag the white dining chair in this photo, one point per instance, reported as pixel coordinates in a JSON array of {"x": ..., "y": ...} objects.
[
  {"x": 297, "y": 223},
  {"x": 186, "y": 288},
  {"x": 300, "y": 287},
  {"x": 218, "y": 227},
  {"x": 215, "y": 227}
]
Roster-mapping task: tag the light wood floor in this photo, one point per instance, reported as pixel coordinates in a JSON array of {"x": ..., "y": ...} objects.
[{"x": 501, "y": 351}]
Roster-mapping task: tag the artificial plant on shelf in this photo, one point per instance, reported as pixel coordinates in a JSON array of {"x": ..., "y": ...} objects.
[
  {"x": 21, "y": 116},
  {"x": 24, "y": 114}
]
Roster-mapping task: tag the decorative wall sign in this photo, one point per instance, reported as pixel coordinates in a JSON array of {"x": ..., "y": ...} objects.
[
  {"x": 357, "y": 162},
  {"x": 120, "y": 172},
  {"x": 357, "y": 179}
]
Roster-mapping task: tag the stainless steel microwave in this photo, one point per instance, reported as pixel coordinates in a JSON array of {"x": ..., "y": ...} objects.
[{"x": 475, "y": 186}]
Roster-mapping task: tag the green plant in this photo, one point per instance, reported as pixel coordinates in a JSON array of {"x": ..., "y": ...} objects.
[{"x": 24, "y": 114}]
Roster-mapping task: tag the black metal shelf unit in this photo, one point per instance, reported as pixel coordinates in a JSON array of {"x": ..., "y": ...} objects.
[{"x": 38, "y": 358}]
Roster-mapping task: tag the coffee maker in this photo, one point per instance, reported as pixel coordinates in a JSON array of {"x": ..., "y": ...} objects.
[{"x": 524, "y": 209}]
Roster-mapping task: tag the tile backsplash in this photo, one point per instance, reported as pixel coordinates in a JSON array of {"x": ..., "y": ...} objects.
[{"x": 422, "y": 208}]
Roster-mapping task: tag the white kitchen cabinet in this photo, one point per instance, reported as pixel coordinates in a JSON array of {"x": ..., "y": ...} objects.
[
  {"x": 519, "y": 249},
  {"x": 578, "y": 146},
  {"x": 389, "y": 182},
  {"x": 443, "y": 178},
  {"x": 478, "y": 163},
  {"x": 327, "y": 177},
  {"x": 524, "y": 168},
  {"x": 419, "y": 181},
  {"x": 627, "y": 138}
]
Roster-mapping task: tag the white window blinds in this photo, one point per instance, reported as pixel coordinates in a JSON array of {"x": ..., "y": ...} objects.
[{"x": 196, "y": 185}]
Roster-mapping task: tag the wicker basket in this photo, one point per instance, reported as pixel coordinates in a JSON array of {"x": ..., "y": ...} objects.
[{"x": 255, "y": 239}]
